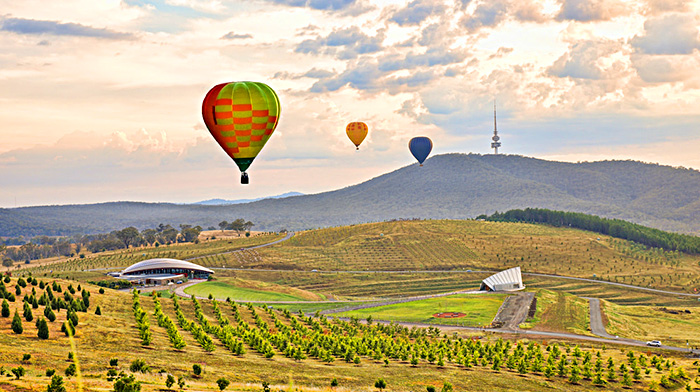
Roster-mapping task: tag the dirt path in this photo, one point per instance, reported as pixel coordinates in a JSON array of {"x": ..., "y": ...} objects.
[{"x": 514, "y": 310}]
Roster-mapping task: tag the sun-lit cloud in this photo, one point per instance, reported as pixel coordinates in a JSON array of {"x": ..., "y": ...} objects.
[{"x": 108, "y": 94}]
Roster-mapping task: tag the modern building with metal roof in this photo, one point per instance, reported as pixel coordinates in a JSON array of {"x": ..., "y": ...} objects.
[
  {"x": 163, "y": 271},
  {"x": 507, "y": 280}
]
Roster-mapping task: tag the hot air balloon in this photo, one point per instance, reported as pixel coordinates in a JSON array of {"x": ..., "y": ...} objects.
[
  {"x": 241, "y": 116},
  {"x": 357, "y": 131},
  {"x": 420, "y": 147}
]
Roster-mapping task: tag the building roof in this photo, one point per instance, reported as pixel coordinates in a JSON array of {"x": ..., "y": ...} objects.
[
  {"x": 164, "y": 263},
  {"x": 505, "y": 280}
]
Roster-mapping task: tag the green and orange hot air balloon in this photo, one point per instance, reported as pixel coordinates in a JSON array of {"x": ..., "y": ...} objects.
[
  {"x": 241, "y": 116},
  {"x": 357, "y": 131}
]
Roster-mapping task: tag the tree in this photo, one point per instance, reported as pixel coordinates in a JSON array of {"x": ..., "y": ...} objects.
[
  {"x": 430, "y": 388},
  {"x": 5, "y": 308},
  {"x": 71, "y": 370},
  {"x": 222, "y": 383},
  {"x": 446, "y": 387},
  {"x": 98, "y": 311},
  {"x": 223, "y": 225},
  {"x": 17, "y": 323},
  {"x": 127, "y": 384},
  {"x": 18, "y": 371},
  {"x": 130, "y": 236},
  {"x": 380, "y": 384},
  {"x": 334, "y": 382},
  {"x": 169, "y": 381},
  {"x": 197, "y": 369},
  {"x": 7, "y": 263},
  {"x": 181, "y": 382},
  {"x": 56, "y": 384},
  {"x": 43, "y": 328}
]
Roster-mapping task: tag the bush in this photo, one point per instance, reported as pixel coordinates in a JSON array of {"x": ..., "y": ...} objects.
[
  {"x": 380, "y": 384},
  {"x": 5, "y": 308},
  {"x": 71, "y": 370},
  {"x": 430, "y": 388},
  {"x": 56, "y": 384},
  {"x": 102, "y": 290},
  {"x": 222, "y": 383},
  {"x": 169, "y": 381},
  {"x": 26, "y": 357},
  {"x": 18, "y": 371},
  {"x": 98, "y": 311},
  {"x": 127, "y": 384},
  {"x": 196, "y": 369},
  {"x": 334, "y": 382},
  {"x": 50, "y": 372},
  {"x": 138, "y": 365},
  {"x": 114, "y": 362}
]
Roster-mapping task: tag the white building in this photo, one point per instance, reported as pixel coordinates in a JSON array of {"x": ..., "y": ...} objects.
[
  {"x": 162, "y": 271},
  {"x": 508, "y": 280}
]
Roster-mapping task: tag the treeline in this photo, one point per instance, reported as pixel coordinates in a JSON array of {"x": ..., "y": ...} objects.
[
  {"x": 612, "y": 227},
  {"x": 43, "y": 246}
]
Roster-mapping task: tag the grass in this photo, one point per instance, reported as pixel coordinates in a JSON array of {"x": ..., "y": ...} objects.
[
  {"x": 113, "y": 335},
  {"x": 222, "y": 290},
  {"x": 558, "y": 311},
  {"x": 479, "y": 309},
  {"x": 652, "y": 323}
]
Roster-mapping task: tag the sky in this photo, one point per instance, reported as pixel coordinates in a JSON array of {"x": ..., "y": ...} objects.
[{"x": 101, "y": 100}]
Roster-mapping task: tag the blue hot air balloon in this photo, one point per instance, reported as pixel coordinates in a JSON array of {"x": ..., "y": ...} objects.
[{"x": 420, "y": 148}]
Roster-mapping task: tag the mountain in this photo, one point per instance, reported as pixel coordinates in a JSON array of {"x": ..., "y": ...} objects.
[
  {"x": 215, "y": 202},
  {"x": 456, "y": 186}
]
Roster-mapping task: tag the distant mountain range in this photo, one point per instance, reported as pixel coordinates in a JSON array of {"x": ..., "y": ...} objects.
[
  {"x": 455, "y": 186},
  {"x": 218, "y": 202}
]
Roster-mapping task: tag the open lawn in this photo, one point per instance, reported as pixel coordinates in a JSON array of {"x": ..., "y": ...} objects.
[
  {"x": 236, "y": 290},
  {"x": 558, "y": 311},
  {"x": 654, "y": 323},
  {"x": 479, "y": 309}
]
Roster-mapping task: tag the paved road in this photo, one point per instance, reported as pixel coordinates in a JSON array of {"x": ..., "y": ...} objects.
[
  {"x": 597, "y": 326},
  {"x": 514, "y": 310}
]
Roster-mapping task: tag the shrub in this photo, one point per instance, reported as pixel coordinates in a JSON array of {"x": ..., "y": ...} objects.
[
  {"x": 98, "y": 311},
  {"x": 114, "y": 362},
  {"x": 138, "y": 365},
  {"x": 18, "y": 371},
  {"x": 222, "y": 383},
  {"x": 196, "y": 369},
  {"x": 430, "y": 388},
  {"x": 71, "y": 370},
  {"x": 334, "y": 382},
  {"x": 127, "y": 384},
  {"x": 50, "y": 372},
  {"x": 56, "y": 384},
  {"x": 169, "y": 381},
  {"x": 102, "y": 290},
  {"x": 380, "y": 384},
  {"x": 446, "y": 387},
  {"x": 181, "y": 379},
  {"x": 26, "y": 357},
  {"x": 5, "y": 308}
]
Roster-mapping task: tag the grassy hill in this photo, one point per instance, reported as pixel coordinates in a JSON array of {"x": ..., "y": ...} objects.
[{"x": 450, "y": 186}]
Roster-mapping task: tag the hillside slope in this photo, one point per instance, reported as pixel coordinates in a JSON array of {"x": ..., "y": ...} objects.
[{"x": 453, "y": 186}]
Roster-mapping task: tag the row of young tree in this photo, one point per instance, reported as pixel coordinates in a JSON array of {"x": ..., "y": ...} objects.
[
  {"x": 40, "y": 247},
  {"x": 613, "y": 227}
]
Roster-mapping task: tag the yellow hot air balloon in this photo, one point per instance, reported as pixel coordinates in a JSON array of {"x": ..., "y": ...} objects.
[{"x": 357, "y": 131}]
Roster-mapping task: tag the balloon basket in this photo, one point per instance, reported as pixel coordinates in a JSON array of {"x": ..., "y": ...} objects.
[{"x": 244, "y": 178}]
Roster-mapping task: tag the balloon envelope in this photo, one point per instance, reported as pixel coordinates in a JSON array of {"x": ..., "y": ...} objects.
[
  {"x": 420, "y": 148},
  {"x": 241, "y": 116},
  {"x": 357, "y": 131}
]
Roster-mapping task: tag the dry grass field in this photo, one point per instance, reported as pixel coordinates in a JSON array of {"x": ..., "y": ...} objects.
[{"x": 114, "y": 334}]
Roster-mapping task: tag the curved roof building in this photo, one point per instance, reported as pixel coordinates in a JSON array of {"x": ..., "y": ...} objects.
[
  {"x": 508, "y": 280},
  {"x": 163, "y": 271}
]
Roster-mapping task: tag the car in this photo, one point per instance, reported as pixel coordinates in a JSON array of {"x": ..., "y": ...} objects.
[
  {"x": 179, "y": 282},
  {"x": 654, "y": 343}
]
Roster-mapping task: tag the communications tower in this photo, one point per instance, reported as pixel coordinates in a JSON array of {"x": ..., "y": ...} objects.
[{"x": 496, "y": 143}]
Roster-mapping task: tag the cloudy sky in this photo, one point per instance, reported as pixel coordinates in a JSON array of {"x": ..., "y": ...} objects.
[{"x": 101, "y": 100}]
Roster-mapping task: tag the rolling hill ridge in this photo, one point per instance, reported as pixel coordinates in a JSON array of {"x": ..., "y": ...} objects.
[{"x": 452, "y": 186}]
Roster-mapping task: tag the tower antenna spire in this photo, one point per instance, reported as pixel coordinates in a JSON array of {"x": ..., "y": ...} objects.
[{"x": 496, "y": 143}]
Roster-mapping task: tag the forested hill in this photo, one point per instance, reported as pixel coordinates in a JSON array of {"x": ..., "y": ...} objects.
[{"x": 453, "y": 186}]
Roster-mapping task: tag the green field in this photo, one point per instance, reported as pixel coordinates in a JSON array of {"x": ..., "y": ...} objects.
[
  {"x": 222, "y": 290},
  {"x": 479, "y": 309}
]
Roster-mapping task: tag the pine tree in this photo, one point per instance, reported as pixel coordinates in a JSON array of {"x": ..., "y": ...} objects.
[
  {"x": 17, "y": 324},
  {"x": 43, "y": 328},
  {"x": 5, "y": 308}
]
